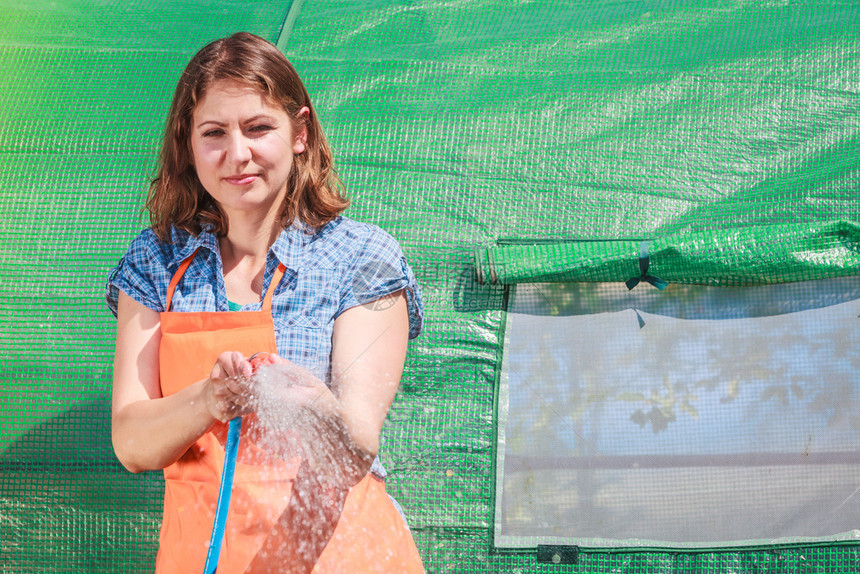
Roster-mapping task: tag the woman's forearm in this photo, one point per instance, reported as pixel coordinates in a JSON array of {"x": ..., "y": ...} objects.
[
  {"x": 338, "y": 445},
  {"x": 353, "y": 445},
  {"x": 152, "y": 434}
]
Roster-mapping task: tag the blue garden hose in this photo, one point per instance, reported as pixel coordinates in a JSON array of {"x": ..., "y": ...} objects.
[{"x": 230, "y": 450}]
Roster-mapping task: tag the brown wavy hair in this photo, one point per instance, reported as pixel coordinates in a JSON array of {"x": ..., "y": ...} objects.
[{"x": 176, "y": 196}]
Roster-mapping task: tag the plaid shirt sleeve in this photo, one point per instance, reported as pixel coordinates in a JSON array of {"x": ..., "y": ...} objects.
[
  {"x": 375, "y": 269},
  {"x": 141, "y": 274}
]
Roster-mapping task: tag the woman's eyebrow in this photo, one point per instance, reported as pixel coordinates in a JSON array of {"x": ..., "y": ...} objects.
[
  {"x": 257, "y": 117},
  {"x": 252, "y": 119},
  {"x": 213, "y": 122}
]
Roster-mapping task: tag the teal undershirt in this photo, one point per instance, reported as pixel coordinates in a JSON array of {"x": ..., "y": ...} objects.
[{"x": 234, "y": 306}]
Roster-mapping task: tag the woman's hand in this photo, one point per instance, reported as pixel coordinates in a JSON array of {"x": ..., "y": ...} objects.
[
  {"x": 289, "y": 386},
  {"x": 295, "y": 409},
  {"x": 228, "y": 391}
]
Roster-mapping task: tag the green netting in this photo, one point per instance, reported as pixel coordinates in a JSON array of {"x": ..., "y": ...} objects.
[{"x": 704, "y": 127}]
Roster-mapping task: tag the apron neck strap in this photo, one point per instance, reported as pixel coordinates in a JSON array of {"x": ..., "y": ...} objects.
[
  {"x": 183, "y": 267},
  {"x": 276, "y": 279}
]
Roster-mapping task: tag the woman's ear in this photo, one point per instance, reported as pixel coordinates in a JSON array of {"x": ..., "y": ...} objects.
[{"x": 301, "y": 138}]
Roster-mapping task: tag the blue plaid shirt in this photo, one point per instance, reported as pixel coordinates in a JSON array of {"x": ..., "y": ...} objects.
[{"x": 343, "y": 264}]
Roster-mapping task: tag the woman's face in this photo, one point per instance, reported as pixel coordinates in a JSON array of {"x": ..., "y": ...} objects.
[{"x": 243, "y": 148}]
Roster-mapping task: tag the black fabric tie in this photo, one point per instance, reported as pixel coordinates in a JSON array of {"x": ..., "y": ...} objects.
[{"x": 643, "y": 267}]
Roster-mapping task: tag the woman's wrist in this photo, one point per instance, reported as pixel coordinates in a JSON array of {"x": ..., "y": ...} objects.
[
  {"x": 202, "y": 403},
  {"x": 348, "y": 448}
]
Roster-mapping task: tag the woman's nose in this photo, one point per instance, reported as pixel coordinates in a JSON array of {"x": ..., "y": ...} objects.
[{"x": 238, "y": 149}]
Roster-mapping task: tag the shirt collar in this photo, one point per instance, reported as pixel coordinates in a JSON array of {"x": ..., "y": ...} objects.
[
  {"x": 289, "y": 247},
  {"x": 188, "y": 244}
]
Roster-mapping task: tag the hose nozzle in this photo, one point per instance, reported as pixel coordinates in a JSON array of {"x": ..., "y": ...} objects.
[{"x": 260, "y": 359}]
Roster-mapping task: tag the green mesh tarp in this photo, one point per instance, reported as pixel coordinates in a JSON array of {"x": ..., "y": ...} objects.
[{"x": 702, "y": 128}]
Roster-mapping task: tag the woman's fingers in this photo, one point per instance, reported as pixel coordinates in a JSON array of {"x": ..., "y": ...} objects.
[
  {"x": 241, "y": 366},
  {"x": 230, "y": 386},
  {"x": 233, "y": 385}
]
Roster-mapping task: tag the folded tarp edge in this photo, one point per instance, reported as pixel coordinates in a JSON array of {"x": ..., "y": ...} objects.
[{"x": 758, "y": 255}]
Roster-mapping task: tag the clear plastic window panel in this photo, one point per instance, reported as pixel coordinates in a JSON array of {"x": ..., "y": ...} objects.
[{"x": 695, "y": 417}]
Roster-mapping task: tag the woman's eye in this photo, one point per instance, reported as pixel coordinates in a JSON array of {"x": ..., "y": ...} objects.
[
  {"x": 212, "y": 133},
  {"x": 261, "y": 128}
]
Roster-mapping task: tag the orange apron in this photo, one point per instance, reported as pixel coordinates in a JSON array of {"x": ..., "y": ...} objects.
[{"x": 370, "y": 535}]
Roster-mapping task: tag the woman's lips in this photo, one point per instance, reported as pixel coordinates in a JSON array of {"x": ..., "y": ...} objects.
[{"x": 243, "y": 179}]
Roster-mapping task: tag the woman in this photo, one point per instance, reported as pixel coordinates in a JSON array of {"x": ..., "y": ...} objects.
[{"x": 248, "y": 253}]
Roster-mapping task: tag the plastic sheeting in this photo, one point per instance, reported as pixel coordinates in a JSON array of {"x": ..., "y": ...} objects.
[
  {"x": 454, "y": 124},
  {"x": 692, "y": 417}
]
